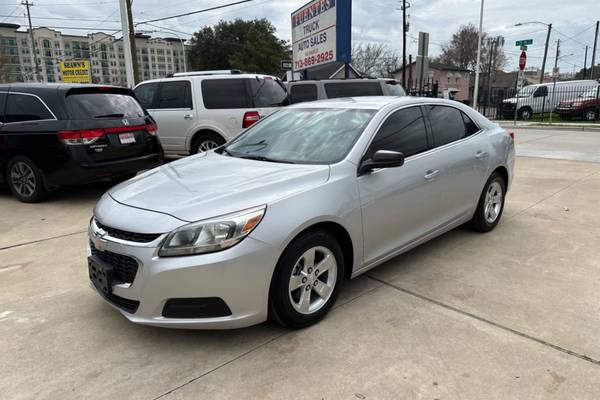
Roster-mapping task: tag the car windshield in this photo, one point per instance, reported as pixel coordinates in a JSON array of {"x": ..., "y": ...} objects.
[
  {"x": 306, "y": 136},
  {"x": 591, "y": 93},
  {"x": 526, "y": 91}
]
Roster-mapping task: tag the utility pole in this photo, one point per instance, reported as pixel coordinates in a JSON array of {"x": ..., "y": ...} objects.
[
  {"x": 36, "y": 67},
  {"x": 554, "y": 76},
  {"x": 404, "y": 44},
  {"x": 545, "y": 53},
  {"x": 124, "y": 6},
  {"x": 132, "y": 43},
  {"x": 585, "y": 63},
  {"x": 594, "y": 52},
  {"x": 476, "y": 89},
  {"x": 410, "y": 77}
]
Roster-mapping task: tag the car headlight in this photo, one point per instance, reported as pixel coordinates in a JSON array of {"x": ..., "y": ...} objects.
[{"x": 211, "y": 235}]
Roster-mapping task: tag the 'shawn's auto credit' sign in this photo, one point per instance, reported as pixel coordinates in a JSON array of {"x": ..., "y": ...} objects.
[{"x": 321, "y": 33}]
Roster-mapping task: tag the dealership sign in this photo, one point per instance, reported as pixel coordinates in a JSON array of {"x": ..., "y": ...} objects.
[
  {"x": 321, "y": 33},
  {"x": 75, "y": 71}
]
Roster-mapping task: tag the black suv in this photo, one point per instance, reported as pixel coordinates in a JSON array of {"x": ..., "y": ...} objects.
[{"x": 58, "y": 134}]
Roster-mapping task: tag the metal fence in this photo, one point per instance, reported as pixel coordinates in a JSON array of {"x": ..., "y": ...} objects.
[{"x": 543, "y": 103}]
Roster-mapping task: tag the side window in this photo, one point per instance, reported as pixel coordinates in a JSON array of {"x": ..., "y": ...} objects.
[
  {"x": 300, "y": 93},
  {"x": 3, "y": 96},
  {"x": 20, "y": 107},
  {"x": 403, "y": 131},
  {"x": 225, "y": 93},
  {"x": 268, "y": 92},
  {"x": 447, "y": 124},
  {"x": 352, "y": 89},
  {"x": 542, "y": 91},
  {"x": 145, "y": 94},
  {"x": 177, "y": 94},
  {"x": 470, "y": 126}
]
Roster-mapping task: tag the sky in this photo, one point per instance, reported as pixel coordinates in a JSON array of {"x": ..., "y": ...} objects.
[{"x": 373, "y": 21}]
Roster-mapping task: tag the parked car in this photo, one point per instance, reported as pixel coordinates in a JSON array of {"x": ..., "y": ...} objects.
[
  {"x": 198, "y": 111},
  {"x": 58, "y": 134},
  {"x": 586, "y": 106},
  {"x": 272, "y": 223},
  {"x": 543, "y": 97},
  {"x": 311, "y": 90}
]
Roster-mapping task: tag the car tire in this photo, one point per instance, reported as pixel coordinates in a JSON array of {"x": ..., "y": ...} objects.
[
  {"x": 525, "y": 113},
  {"x": 590, "y": 114},
  {"x": 490, "y": 207},
  {"x": 301, "y": 294},
  {"x": 205, "y": 142},
  {"x": 25, "y": 180}
]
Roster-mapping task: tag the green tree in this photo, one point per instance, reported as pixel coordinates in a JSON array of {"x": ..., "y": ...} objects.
[{"x": 246, "y": 45}]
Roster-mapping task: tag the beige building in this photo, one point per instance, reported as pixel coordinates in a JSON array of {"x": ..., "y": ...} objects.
[{"x": 157, "y": 57}]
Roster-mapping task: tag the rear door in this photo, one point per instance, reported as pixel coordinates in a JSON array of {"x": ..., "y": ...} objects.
[
  {"x": 170, "y": 104},
  {"x": 226, "y": 101},
  {"x": 107, "y": 125}
]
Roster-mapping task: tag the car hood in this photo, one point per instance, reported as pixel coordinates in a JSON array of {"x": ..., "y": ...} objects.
[{"x": 210, "y": 184}]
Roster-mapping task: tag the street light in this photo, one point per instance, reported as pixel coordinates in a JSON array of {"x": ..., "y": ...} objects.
[{"x": 547, "y": 40}]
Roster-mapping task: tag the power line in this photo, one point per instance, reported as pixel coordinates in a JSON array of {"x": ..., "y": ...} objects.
[
  {"x": 62, "y": 19},
  {"x": 195, "y": 12},
  {"x": 11, "y": 13}
]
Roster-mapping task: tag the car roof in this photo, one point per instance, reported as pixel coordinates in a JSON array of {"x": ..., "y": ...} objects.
[
  {"x": 48, "y": 87},
  {"x": 213, "y": 76},
  {"x": 351, "y": 80},
  {"x": 371, "y": 102}
]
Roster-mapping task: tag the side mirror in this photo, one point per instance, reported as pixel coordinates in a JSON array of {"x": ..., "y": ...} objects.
[{"x": 382, "y": 159}]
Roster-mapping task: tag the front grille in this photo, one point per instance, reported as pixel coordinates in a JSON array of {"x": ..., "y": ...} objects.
[
  {"x": 128, "y": 305},
  {"x": 129, "y": 236},
  {"x": 125, "y": 267}
]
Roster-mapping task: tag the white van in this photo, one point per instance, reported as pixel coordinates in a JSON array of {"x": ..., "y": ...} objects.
[
  {"x": 199, "y": 111},
  {"x": 544, "y": 97}
]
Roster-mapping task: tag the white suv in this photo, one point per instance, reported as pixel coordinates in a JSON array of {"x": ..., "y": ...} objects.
[{"x": 198, "y": 111}]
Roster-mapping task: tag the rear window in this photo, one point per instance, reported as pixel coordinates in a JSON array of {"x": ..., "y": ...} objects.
[
  {"x": 145, "y": 94},
  {"x": 225, "y": 93},
  {"x": 103, "y": 105},
  {"x": 395, "y": 89},
  {"x": 301, "y": 93},
  {"x": 353, "y": 89},
  {"x": 267, "y": 92},
  {"x": 24, "y": 107}
]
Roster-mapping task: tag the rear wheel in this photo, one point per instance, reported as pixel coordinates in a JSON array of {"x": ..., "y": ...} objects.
[
  {"x": 525, "y": 113},
  {"x": 25, "y": 180},
  {"x": 590, "y": 114},
  {"x": 491, "y": 204},
  {"x": 306, "y": 281},
  {"x": 206, "y": 141}
]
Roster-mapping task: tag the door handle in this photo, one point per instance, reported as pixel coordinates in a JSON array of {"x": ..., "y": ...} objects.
[
  {"x": 429, "y": 175},
  {"x": 480, "y": 155},
  {"x": 188, "y": 116}
]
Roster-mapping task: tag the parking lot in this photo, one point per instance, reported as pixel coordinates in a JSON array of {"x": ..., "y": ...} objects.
[{"x": 513, "y": 314}]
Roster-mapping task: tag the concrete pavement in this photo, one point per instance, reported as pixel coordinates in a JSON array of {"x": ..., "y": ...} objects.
[{"x": 512, "y": 314}]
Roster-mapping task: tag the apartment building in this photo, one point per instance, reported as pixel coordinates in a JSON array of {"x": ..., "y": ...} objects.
[{"x": 157, "y": 57}]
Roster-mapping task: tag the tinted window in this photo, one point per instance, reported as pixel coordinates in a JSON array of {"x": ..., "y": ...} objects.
[
  {"x": 2, "y": 104},
  {"x": 145, "y": 94},
  {"x": 542, "y": 91},
  {"x": 300, "y": 93},
  {"x": 176, "y": 94},
  {"x": 447, "y": 125},
  {"x": 403, "y": 131},
  {"x": 268, "y": 93},
  {"x": 395, "y": 89},
  {"x": 103, "y": 105},
  {"x": 20, "y": 107},
  {"x": 353, "y": 89},
  {"x": 470, "y": 126},
  {"x": 225, "y": 93}
]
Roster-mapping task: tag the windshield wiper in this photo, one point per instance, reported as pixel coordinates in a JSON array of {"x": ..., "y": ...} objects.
[
  {"x": 115, "y": 115},
  {"x": 263, "y": 158}
]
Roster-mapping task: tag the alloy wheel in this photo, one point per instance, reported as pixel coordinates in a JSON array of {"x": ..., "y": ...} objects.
[
  {"x": 23, "y": 179},
  {"x": 313, "y": 280},
  {"x": 493, "y": 202},
  {"x": 207, "y": 145},
  {"x": 590, "y": 115}
]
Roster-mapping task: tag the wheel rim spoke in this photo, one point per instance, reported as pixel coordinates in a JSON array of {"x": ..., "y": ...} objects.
[
  {"x": 296, "y": 281},
  {"x": 322, "y": 289},
  {"x": 309, "y": 259},
  {"x": 324, "y": 265},
  {"x": 305, "y": 301}
]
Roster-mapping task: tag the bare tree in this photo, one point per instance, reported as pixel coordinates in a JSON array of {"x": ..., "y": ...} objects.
[{"x": 375, "y": 59}]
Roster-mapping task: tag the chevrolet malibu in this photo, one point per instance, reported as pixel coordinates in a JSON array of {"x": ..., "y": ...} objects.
[{"x": 271, "y": 224}]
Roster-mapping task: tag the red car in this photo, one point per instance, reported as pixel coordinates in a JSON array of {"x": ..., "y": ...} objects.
[{"x": 586, "y": 106}]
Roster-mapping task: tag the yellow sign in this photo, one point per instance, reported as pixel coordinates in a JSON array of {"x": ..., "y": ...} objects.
[{"x": 75, "y": 71}]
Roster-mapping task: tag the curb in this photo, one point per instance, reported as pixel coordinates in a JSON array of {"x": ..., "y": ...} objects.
[{"x": 577, "y": 128}]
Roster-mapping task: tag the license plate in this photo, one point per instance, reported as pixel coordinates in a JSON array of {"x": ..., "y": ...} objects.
[
  {"x": 101, "y": 275},
  {"x": 126, "y": 138}
]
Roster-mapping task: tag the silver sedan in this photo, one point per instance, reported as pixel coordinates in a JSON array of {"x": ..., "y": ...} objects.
[{"x": 271, "y": 224}]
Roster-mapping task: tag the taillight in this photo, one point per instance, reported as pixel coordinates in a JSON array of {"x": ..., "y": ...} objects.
[
  {"x": 83, "y": 136},
  {"x": 511, "y": 133},
  {"x": 152, "y": 129},
  {"x": 250, "y": 118}
]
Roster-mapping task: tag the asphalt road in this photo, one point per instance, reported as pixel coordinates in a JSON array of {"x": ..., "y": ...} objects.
[{"x": 512, "y": 314}]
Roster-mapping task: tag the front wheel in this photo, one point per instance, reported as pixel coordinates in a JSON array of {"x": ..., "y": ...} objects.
[
  {"x": 25, "y": 180},
  {"x": 306, "y": 281},
  {"x": 491, "y": 204},
  {"x": 590, "y": 114},
  {"x": 525, "y": 113}
]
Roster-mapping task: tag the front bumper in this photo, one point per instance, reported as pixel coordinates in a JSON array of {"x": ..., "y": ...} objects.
[{"x": 240, "y": 276}]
